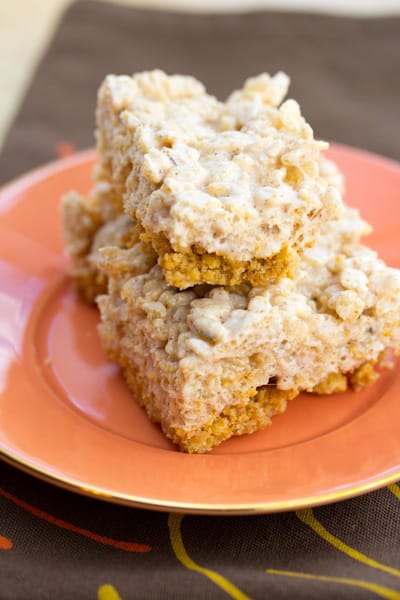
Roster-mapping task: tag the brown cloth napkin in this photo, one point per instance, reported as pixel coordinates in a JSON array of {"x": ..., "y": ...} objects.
[
  {"x": 58, "y": 545},
  {"x": 345, "y": 72}
]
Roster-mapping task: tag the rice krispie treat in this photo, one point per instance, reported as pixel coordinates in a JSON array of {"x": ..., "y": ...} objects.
[
  {"x": 92, "y": 223},
  {"x": 98, "y": 220},
  {"x": 228, "y": 274},
  {"x": 212, "y": 362},
  {"x": 226, "y": 193}
]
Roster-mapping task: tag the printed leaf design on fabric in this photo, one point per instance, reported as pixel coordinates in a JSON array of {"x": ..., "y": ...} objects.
[
  {"x": 174, "y": 524},
  {"x": 307, "y": 517},
  {"x": 41, "y": 514},
  {"x": 5, "y": 543},
  {"x": 64, "y": 149},
  {"x": 395, "y": 489},
  {"x": 379, "y": 590},
  {"x": 107, "y": 592}
]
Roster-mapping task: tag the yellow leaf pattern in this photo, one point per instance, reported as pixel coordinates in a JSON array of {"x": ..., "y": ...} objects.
[
  {"x": 307, "y": 516},
  {"x": 380, "y": 590},
  {"x": 107, "y": 592},
  {"x": 174, "y": 524},
  {"x": 395, "y": 489}
]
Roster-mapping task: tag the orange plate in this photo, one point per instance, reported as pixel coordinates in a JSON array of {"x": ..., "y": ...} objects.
[{"x": 67, "y": 417}]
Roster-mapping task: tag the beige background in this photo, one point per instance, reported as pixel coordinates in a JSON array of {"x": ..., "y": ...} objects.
[{"x": 27, "y": 25}]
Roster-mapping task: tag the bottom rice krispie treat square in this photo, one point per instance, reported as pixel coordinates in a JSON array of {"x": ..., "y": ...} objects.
[{"x": 212, "y": 362}]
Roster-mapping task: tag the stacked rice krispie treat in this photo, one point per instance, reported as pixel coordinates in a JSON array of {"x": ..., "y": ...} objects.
[{"x": 228, "y": 273}]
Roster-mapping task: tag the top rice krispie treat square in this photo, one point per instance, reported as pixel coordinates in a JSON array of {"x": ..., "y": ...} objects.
[{"x": 225, "y": 192}]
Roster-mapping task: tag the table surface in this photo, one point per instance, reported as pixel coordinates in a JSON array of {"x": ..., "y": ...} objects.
[{"x": 34, "y": 21}]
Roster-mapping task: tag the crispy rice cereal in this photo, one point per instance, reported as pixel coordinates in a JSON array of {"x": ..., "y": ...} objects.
[
  {"x": 92, "y": 223},
  {"x": 229, "y": 275},
  {"x": 225, "y": 192},
  {"x": 211, "y": 362}
]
